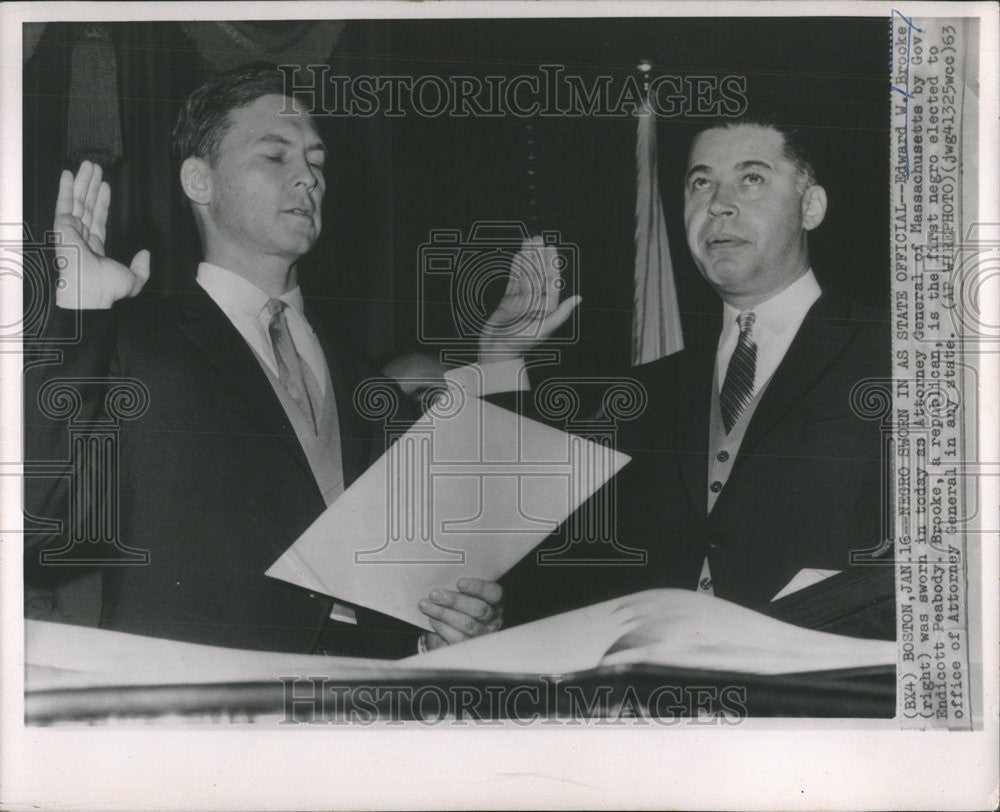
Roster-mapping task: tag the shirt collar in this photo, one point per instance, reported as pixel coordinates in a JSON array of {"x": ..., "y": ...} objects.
[
  {"x": 785, "y": 309},
  {"x": 231, "y": 290}
]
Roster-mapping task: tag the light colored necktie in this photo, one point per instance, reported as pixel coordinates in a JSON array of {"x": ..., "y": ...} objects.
[
  {"x": 737, "y": 390},
  {"x": 290, "y": 363}
]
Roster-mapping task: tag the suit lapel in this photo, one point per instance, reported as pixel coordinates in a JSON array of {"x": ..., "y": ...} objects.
[
  {"x": 201, "y": 320},
  {"x": 823, "y": 334},
  {"x": 694, "y": 393}
]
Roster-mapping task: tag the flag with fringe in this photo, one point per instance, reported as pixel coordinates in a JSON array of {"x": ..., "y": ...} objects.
[{"x": 656, "y": 322}]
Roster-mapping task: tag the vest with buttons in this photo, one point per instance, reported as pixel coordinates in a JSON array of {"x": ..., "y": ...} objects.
[
  {"x": 722, "y": 451},
  {"x": 722, "y": 447},
  {"x": 322, "y": 449}
]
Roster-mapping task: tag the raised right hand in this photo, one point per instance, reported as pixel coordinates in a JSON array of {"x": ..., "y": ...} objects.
[
  {"x": 530, "y": 310},
  {"x": 89, "y": 280}
]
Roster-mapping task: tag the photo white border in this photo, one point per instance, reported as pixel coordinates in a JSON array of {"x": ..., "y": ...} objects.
[{"x": 759, "y": 764}]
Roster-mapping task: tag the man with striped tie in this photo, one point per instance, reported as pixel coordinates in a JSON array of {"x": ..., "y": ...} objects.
[{"x": 755, "y": 476}]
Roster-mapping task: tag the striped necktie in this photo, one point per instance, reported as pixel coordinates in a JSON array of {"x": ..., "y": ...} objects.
[
  {"x": 290, "y": 372},
  {"x": 737, "y": 390}
]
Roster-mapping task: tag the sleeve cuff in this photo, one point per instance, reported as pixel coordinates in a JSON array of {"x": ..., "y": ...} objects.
[{"x": 480, "y": 380}]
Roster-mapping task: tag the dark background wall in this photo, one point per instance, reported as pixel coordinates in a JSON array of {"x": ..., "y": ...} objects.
[{"x": 394, "y": 180}]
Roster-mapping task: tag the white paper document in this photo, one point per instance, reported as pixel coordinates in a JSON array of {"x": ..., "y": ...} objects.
[
  {"x": 468, "y": 490},
  {"x": 60, "y": 655},
  {"x": 678, "y": 628}
]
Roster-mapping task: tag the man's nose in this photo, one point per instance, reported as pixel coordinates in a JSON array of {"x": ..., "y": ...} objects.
[
  {"x": 307, "y": 181},
  {"x": 722, "y": 204},
  {"x": 306, "y": 177}
]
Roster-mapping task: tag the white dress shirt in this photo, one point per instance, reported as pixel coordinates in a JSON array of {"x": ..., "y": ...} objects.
[
  {"x": 776, "y": 324},
  {"x": 777, "y": 321},
  {"x": 246, "y": 307}
]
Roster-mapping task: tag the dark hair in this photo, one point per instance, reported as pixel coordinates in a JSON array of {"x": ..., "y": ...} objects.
[
  {"x": 204, "y": 118},
  {"x": 794, "y": 149}
]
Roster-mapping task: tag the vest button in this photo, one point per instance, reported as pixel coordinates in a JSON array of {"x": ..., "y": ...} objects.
[
  {"x": 722, "y": 456},
  {"x": 715, "y": 487}
]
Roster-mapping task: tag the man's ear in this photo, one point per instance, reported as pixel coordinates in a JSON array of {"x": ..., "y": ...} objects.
[
  {"x": 813, "y": 207},
  {"x": 196, "y": 181}
]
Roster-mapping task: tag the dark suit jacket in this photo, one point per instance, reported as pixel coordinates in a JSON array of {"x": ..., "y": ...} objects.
[
  {"x": 213, "y": 481},
  {"x": 804, "y": 491}
]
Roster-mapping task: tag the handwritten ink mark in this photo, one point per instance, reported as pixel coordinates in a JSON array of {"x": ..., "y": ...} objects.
[{"x": 905, "y": 90}]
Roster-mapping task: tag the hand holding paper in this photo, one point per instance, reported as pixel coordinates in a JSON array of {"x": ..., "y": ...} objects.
[
  {"x": 467, "y": 492},
  {"x": 476, "y": 609}
]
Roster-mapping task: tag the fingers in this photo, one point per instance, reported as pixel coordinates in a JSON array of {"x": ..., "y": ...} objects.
[
  {"x": 86, "y": 198},
  {"x": 81, "y": 184},
  {"x": 140, "y": 270},
  {"x": 552, "y": 265},
  {"x": 99, "y": 221},
  {"x": 459, "y": 623},
  {"x": 446, "y": 633},
  {"x": 537, "y": 272},
  {"x": 433, "y": 640},
  {"x": 476, "y": 609},
  {"x": 447, "y": 623},
  {"x": 489, "y": 591},
  {"x": 558, "y": 317},
  {"x": 92, "y": 192},
  {"x": 64, "y": 202},
  {"x": 454, "y": 627}
]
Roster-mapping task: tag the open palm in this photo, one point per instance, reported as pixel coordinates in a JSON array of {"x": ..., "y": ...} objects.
[
  {"x": 87, "y": 278},
  {"x": 530, "y": 310}
]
